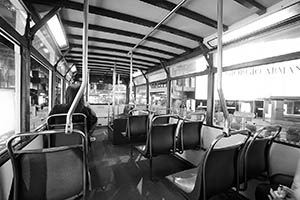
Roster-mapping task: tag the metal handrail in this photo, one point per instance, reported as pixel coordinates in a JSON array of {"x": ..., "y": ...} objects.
[{"x": 69, "y": 124}]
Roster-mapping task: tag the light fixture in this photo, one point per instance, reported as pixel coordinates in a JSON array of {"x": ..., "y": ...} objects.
[
  {"x": 73, "y": 69},
  {"x": 258, "y": 25},
  {"x": 57, "y": 31}
]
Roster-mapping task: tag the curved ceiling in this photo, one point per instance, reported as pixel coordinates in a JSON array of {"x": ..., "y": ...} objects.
[{"x": 116, "y": 26}]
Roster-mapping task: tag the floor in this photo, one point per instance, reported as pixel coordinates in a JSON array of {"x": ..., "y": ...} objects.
[{"x": 117, "y": 176}]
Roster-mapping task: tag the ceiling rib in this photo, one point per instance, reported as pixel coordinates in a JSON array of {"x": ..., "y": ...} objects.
[
  {"x": 252, "y": 3},
  {"x": 124, "y": 66},
  {"x": 110, "y": 60},
  {"x": 114, "y": 56},
  {"x": 96, "y": 39},
  {"x": 117, "y": 50},
  {"x": 184, "y": 12},
  {"x": 125, "y": 33},
  {"x": 120, "y": 16}
]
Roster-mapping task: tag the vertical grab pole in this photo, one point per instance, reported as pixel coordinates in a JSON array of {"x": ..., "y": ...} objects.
[
  {"x": 69, "y": 124},
  {"x": 130, "y": 79},
  {"x": 220, "y": 66},
  {"x": 114, "y": 90}
]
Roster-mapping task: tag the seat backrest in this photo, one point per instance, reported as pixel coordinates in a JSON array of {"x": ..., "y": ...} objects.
[
  {"x": 58, "y": 121},
  {"x": 161, "y": 120},
  {"x": 220, "y": 166},
  {"x": 254, "y": 159},
  {"x": 137, "y": 126},
  {"x": 51, "y": 173},
  {"x": 162, "y": 139},
  {"x": 189, "y": 136}
]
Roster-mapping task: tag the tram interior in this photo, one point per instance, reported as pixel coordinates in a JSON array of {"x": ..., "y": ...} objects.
[{"x": 194, "y": 99}]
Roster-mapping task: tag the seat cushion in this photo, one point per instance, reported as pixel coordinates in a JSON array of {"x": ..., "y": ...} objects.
[{"x": 185, "y": 180}]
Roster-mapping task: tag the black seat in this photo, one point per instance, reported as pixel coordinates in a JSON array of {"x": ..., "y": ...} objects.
[
  {"x": 50, "y": 173},
  {"x": 160, "y": 140},
  {"x": 189, "y": 136},
  {"x": 254, "y": 159},
  {"x": 216, "y": 172},
  {"x": 117, "y": 131},
  {"x": 137, "y": 129},
  {"x": 58, "y": 121}
]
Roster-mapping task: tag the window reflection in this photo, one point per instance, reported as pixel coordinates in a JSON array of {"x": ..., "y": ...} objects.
[{"x": 39, "y": 93}]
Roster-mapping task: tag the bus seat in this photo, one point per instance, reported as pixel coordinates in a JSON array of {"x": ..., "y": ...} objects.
[
  {"x": 137, "y": 129},
  {"x": 49, "y": 173},
  {"x": 117, "y": 131},
  {"x": 58, "y": 121},
  {"x": 189, "y": 136},
  {"x": 160, "y": 140},
  {"x": 215, "y": 174},
  {"x": 254, "y": 159}
]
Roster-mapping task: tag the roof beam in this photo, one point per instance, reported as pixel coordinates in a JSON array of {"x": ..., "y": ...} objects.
[
  {"x": 125, "y": 33},
  {"x": 120, "y": 16},
  {"x": 127, "y": 44},
  {"x": 252, "y": 3},
  {"x": 76, "y": 61},
  {"x": 114, "y": 56},
  {"x": 117, "y": 50},
  {"x": 184, "y": 12},
  {"x": 91, "y": 58}
]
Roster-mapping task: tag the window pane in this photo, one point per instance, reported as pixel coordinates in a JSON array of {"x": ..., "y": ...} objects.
[
  {"x": 58, "y": 91},
  {"x": 39, "y": 93},
  {"x": 158, "y": 97},
  {"x": 263, "y": 95},
  {"x": 188, "y": 67},
  {"x": 183, "y": 95},
  {"x": 157, "y": 75},
  {"x": 9, "y": 59},
  {"x": 13, "y": 12},
  {"x": 45, "y": 45},
  {"x": 141, "y": 95}
]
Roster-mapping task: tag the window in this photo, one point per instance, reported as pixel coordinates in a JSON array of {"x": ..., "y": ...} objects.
[
  {"x": 158, "y": 97},
  {"x": 9, "y": 87},
  {"x": 141, "y": 95},
  {"x": 263, "y": 95},
  {"x": 183, "y": 95},
  {"x": 13, "y": 12},
  {"x": 58, "y": 88},
  {"x": 39, "y": 94}
]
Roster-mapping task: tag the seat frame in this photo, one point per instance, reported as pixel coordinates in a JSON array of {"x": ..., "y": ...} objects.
[
  {"x": 257, "y": 136},
  {"x": 148, "y": 152},
  {"x": 13, "y": 153}
]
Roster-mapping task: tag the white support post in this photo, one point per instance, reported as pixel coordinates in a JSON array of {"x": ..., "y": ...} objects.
[
  {"x": 130, "y": 80},
  {"x": 114, "y": 90}
]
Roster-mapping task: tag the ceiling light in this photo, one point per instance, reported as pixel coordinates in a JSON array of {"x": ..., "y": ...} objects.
[
  {"x": 258, "y": 25},
  {"x": 57, "y": 31}
]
